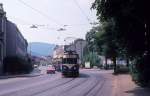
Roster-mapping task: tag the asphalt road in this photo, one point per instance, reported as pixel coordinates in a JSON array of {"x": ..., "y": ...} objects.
[{"x": 89, "y": 83}]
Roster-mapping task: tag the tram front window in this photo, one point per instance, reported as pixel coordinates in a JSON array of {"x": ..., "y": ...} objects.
[{"x": 69, "y": 61}]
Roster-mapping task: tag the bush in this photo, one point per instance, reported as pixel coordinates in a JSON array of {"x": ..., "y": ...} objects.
[
  {"x": 140, "y": 70},
  {"x": 122, "y": 69},
  {"x": 17, "y": 65}
]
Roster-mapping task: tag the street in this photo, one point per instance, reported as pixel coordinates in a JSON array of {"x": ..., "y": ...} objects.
[{"x": 90, "y": 83}]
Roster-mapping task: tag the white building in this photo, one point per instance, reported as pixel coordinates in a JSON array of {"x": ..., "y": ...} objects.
[{"x": 58, "y": 53}]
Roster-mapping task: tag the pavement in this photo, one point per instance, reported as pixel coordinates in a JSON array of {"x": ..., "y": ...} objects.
[
  {"x": 124, "y": 86},
  {"x": 35, "y": 72}
]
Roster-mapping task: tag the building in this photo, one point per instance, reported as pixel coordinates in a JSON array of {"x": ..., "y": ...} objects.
[
  {"x": 49, "y": 60},
  {"x": 78, "y": 46},
  {"x": 12, "y": 43},
  {"x": 16, "y": 44},
  {"x": 2, "y": 36},
  {"x": 57, "y": 56}
]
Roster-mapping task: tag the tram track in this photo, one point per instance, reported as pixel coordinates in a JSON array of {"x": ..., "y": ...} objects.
[
  {"x": 74, "y": 86},
  {"x": 83, "y": 85},
  {"x": 65, "y": 87},
  {"x": 97, "y": 82},
  {"x": 79, "y": 83},
  {"x": 35, "y": 92},
  {"x": 96, "y": 89},
  {"x": 50, "y": 88}
]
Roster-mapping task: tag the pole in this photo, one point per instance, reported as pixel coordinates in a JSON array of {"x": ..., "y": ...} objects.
[
  {"x": 30, "y": 50},
  {"x": 81, "y": 53}
]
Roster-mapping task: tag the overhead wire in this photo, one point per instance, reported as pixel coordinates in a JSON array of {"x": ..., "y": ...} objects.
[
  {"x": 71, "y": 25},
  {"x": 41, "y": 13},
  {"x": 78, "y": 5},
  {"x": 58, "y": 23},
  {"x": 27, "y": 23},
  {"x": 83, "y": 12}
]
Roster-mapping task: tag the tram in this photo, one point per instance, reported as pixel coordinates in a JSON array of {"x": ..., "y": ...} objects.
[{"x": 70, "y": 66}]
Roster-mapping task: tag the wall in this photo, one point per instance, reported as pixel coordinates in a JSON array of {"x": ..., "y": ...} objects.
[{"x": 16, "y": 45}]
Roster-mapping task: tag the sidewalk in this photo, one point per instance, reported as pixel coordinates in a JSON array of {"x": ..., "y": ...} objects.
[
  {"x": 124, "y": 86},
  {"x": 34, "y": 73}
]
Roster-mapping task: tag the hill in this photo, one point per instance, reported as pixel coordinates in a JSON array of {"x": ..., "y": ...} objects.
[{"x": 40, "y": 49}]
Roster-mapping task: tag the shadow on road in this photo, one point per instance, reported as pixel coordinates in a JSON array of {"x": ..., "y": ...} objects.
[
  {"x": 83, "y": 75},
  {"x": 138, "y": 91}
]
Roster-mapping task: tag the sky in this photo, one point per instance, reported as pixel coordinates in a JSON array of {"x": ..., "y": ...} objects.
[{"x": 49, "y": 16}]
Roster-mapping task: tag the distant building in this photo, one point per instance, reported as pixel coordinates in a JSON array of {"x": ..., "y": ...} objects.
[
  {"x": 35, "y": 60},
  {"x": 45, "y": 61},
  {"x": 49, "y": 60},
  {"x": 57, "y": 56},
  {"x": 58, "y": 53}
]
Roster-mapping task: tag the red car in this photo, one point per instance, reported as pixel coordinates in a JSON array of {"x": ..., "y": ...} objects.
[{"x": 50, "y": 70}]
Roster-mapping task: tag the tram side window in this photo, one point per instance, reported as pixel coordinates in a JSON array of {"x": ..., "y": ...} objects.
[{"x": 75, "y": 60}]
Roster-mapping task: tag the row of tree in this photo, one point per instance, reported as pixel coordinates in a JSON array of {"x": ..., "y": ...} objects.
[
  {"x": 90, "y": 50},
  {"x": 124, "y": 32}
]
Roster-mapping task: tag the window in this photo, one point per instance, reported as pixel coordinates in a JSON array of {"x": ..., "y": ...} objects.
[{"x": 69, "y": 61}]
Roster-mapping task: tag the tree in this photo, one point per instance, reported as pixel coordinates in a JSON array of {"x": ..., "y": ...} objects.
[
  {"x": 91, "y": 49},
  {"x": 132, "y": 24},
  {"x": 106, "y": 41},
  {"x": 126, "y": 14},
  {"x": 90, "y": 38}
]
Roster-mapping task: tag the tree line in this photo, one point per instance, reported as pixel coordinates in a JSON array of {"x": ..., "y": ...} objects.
[{"x": 124, "y": 32}]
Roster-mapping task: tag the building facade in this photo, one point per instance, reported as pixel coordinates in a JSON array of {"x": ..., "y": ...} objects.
[
  {"x": 16, "y": 45},
  {"x": 2, "y": 36},
  {"x": 58, "y": 53},
  {"x": 57, "y": 57},
  {"x": 12, "y": 43}
]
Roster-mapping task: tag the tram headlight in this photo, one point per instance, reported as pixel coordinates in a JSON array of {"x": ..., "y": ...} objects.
[
  {"x": 75, "y": 68},
  {"x": 65, "y": 67}
]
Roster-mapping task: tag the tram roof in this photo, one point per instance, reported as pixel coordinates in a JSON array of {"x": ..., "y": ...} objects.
[{"x": 70, "y": 52}]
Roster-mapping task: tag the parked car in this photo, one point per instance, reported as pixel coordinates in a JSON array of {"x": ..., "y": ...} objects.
[{"x": 50, "y": 70}]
